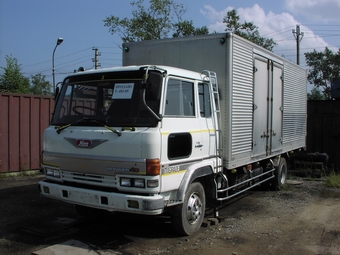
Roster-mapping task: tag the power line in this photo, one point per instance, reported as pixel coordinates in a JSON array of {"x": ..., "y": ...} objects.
[
  {"x": 280, "y": 32},
  {"x": 318, "y": 25},
  {"x": 65, "y": 56}
]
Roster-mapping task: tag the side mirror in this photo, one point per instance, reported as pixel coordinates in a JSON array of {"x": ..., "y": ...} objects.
[
  {"x": 154, "y": 86},
  {"x": 57, "y": 90}
]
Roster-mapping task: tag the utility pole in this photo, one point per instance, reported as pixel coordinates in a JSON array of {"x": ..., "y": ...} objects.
[
  {"x": 95, "y": 59},
  {"x": 298, "y": 39}
]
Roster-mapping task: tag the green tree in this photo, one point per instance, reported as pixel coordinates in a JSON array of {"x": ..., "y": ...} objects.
[
  {"x": 161, "y": 18},
  {"x": 324, "y": 66},
  {"x": 247, "y": 30},
  {"x": 316, "y": 94},
  {"x": 186, "y": 28},
  {"x": 12, "y": 79},
  {"x": 39, "y": 85}
]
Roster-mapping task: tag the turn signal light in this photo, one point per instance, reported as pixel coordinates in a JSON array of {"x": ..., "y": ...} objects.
[{"x": 153, "y": 167}]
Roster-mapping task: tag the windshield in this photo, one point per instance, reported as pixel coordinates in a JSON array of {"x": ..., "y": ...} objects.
[{"x": 114, "y": 99}]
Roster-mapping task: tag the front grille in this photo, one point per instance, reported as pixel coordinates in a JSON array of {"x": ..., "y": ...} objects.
[
  {"x": 87, "y": 177},
  {"x": 90, "y": 179}
]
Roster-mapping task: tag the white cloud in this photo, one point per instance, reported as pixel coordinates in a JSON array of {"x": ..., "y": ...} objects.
[
  {"x": 270, "y": 25},
  {"x": 315, "y": 10},
  {"x": 215, "y": 17}
]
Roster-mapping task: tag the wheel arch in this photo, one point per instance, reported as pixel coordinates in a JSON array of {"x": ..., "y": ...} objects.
[{"x": 197, "y": 173}]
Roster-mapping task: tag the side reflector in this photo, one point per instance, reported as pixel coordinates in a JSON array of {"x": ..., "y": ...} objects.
[{"x": 153, "y": 167}]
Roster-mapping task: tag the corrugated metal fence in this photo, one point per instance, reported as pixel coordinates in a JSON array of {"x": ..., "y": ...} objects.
[
  {"x": 323, "y": 129},
  {"x": 23, "y": 119}
]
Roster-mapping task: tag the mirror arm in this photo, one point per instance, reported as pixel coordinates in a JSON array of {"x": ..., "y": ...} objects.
[{"x": 158, "y": 117}]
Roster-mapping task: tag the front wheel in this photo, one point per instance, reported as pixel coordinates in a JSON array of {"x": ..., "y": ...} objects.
[{"x": 188, "y": 217}]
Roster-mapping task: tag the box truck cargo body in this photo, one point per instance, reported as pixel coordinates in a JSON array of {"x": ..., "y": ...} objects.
[
  {"x": 263, "y": 97},
  {"x": 185, "y": 124}
]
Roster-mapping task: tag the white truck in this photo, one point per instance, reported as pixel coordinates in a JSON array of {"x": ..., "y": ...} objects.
[{"x": 183, "y": 125}]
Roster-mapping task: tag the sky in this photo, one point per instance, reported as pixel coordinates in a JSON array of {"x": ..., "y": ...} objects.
[{"x": 29, "y": 29}]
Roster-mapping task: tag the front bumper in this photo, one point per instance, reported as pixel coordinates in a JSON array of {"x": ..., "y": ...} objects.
[{"x": 110, "y": 201}]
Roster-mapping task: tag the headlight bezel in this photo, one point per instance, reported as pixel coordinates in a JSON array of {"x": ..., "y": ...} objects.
[
  {"x": 52, "y": 172},
  {"x": 131, "y": 182}
]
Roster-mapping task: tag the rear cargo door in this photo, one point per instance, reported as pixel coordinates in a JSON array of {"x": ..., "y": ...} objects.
[
  {"x": 276, "y": 124},
  {"x": 267, "y": 122}
]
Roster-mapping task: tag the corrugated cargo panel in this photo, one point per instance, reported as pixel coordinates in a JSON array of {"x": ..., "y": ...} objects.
[
  {"x": 24, "y": 118},
  {"x": 242, "y": 100},
  {"x": 294, "y": 107}
]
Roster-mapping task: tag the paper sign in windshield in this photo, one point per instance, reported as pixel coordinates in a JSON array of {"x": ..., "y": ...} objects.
[{"x": 123, "y": 91}]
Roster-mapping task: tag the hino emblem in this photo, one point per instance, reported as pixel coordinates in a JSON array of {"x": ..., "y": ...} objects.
[{"x": 85, "y": 143}]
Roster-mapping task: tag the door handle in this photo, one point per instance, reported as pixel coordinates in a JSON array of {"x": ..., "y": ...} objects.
[{"x": 264, "y": 135}]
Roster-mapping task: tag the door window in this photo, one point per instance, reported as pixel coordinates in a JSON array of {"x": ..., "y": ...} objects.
[{"x": 180, "y": 99}]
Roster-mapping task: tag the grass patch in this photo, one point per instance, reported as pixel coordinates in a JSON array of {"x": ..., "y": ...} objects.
[
  {"x": 285, "y": 187},
  {"x": 6, "y": 176},
  {"x": 333, "y": 180}
]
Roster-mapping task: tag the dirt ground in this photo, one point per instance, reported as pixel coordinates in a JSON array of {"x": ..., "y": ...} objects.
[{"x": 304, "y": 218}]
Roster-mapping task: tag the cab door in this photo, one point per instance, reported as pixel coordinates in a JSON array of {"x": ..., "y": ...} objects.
[{"x": 181, "y": 127}]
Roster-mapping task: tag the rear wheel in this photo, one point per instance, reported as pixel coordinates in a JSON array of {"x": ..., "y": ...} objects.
[
  {"x": 281, "y": 171},
  {"x": 187, "y": 218}
]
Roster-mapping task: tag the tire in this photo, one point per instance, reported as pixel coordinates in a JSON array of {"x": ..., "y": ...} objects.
[
  {"x": 281, "y": 171},
  {"x": 188, "y": 217},
  {"x": 92, "y": 213}
]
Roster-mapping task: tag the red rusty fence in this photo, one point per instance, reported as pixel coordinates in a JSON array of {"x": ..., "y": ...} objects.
[{"x": 23, "y": 119}]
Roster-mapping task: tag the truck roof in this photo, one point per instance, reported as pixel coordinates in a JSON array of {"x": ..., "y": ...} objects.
[{"x": 169, "y": 69}]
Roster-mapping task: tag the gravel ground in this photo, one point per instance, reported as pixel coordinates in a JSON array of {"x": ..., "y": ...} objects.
[{"x": 301, "y": 219}]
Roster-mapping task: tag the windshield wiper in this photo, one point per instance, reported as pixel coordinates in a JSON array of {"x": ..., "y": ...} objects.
[
  {"x": 61, "y": 128},
  {"x": 109, "y": 128},
  {"x": 128, "y": 128}
]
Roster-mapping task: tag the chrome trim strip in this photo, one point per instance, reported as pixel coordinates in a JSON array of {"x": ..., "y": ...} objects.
[{"x": 92, "y": 157}]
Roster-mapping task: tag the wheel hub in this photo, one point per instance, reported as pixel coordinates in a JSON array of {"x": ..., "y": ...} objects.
[{"x": 194, "y": 210}]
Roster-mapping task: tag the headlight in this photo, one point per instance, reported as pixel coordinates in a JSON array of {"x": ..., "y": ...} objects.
[
  {"x": 153, "y": 183},
  {"x": 125, "y": 182},
  {"x": 52, "y": 172},
  {"x": 56, "y": 173},
  {"x": 132, "y": 182},
  {"x": 139, "y": 183}
]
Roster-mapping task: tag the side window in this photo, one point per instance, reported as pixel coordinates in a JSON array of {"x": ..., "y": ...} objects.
[
  {"x": 180, "y": 99},
  {"x": 179, "y": 145},
  {"x": 204, "y": 97}
]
